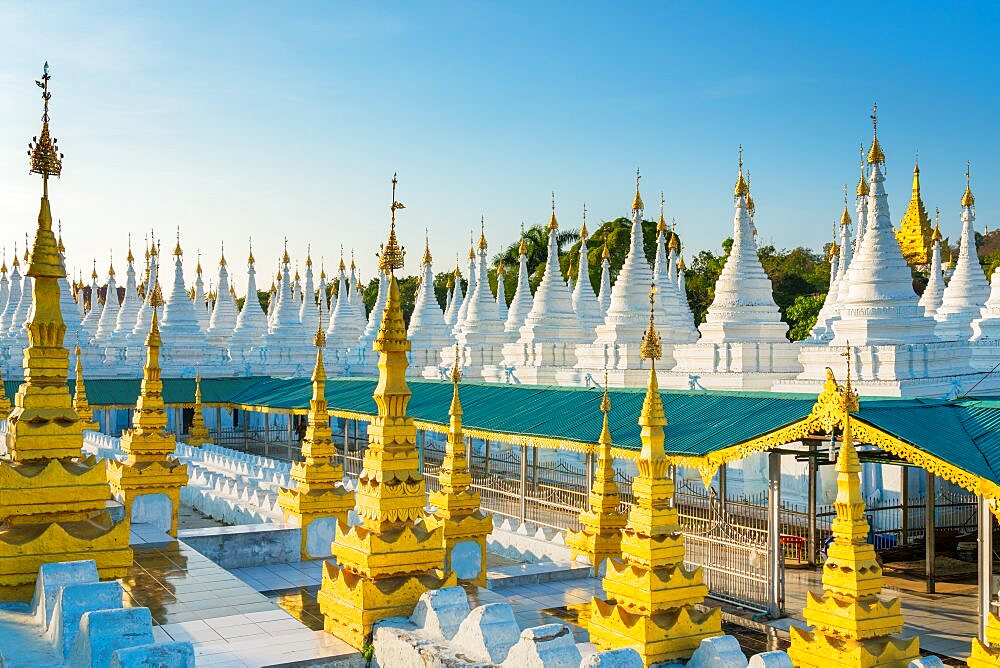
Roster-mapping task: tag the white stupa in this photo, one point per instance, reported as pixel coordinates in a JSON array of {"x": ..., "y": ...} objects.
[
  {"x": 17, "y": 332},
  {"x": 109, "y": 314},
  {"x": 135, "y": 341},
  {"x": 604, "y": 293},
  {"x": 183, "y": 351},
  {"x": 551, "y": 331},
  {"x": 481, "y": 337},
  {"x": 224, "y": 316},
  {"x": 309, "y": 309},
  {"x": 364, "y": 360},
  {"x": 985, "y": 343},
  {"x": 967, "y": 290},
  {"x": 934, "y": 290},
  {"x": 585, "y": 303},
  {"x": 247, "y": 354},
  {"x": 89, "y": 324},
  {"x": 671, "y": 315},
  {"x": 321, "y": 293},
  {"x": 128, "y": 312},
  {"x": 830, "y": 311},
  {"x": 892, "y": 344},
  {"x": 502, "y": 310},
  {"x": 463, "y": 307},
  {"x": 289, "y": 347},
  {"x": 427, "y": 331},
  {"x": 200, "y": 301},
  {"x": 743, "y": 344},
  {"x": 456, "y": 299},
  {"x": 520, "y": 305},
  {"x": 67, "y": 304},
  {"x": 346, "y": 324},
  {"x": 4, "y": 285},
  {"x": 615, "y": 349}
]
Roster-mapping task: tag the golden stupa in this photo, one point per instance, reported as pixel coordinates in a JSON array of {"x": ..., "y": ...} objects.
[
  {"x": 198, "y": 433},
  {"x": 385, "y": 563},
  {"x": 52, "y": 499},
  {"x": 915, "y": 229}
]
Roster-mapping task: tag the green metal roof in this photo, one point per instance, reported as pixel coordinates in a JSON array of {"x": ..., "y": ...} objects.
[{"x": 964, "y": 433}]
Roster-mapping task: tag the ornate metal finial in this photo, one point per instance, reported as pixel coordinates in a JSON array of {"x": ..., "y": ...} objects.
[
  {"x": 553, "y": 224},
  {"x": 392, "y": 254},
  {"x": 177, "y": 249},
  {"x": 284, "y": 257},
  {"x": 650, "y": 349},
  {"x": 848, "y": 400},
  {"x": 637, "y": 204},
  {"x": 605, "y": 400},
  {"x": 482, "y": 233},
  {"x": 222, "y": 254},
  {"x": 876, "y": 155},
  {"x": 583, "y": 228},
  {"x": 59, "y": 244},
  {"x": 43, "y": 150},
  {"x": 456, "y": 371},
  {"x": 156, "y": 296},
  {"x": 320, "y": 339},
  {"x": 967, "y": 198},
  {"x": 741, "y": 185},
  {"x": 862, "y": 190},
  {"x": 250, "y": 258}
]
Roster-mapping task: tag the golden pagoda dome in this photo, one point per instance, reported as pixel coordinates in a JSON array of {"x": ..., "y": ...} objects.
[
  {"x": 309, "y": 260},
  {"x": 522, "y": 249},
  {"x": 250, "y": 257},
  {"x": 500, "y": 268},
  {"x": 675, "y": 244},
  {"x": 284, "y": 256},
  {"x": 967, "y": 198},
  {"x": 680, "y": 264},
  {"x": 875, "y": 154},
  {"x": 637, "y": 204},
  {"x": 834, "y": 250},
  {"x": 177, "y": 248},
  {"x": 482, "y": 233},
  {"x": 449, "y": 283},
  {"x": 341, "y": 266},
  {"x": 130, "y": 258},
  {"x": 845, "y": 218}
]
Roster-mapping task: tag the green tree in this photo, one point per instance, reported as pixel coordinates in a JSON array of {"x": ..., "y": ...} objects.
[{"x": 801, "y": 315}]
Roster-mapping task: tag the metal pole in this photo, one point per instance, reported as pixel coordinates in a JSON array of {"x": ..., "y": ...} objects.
[
  {"x": 588, "y": 478},
  {"x": 524, "y": 484},
  {"x": 930, "y": 532},
  {"x": 534, "y": 470},
  {"x": 774, "y": 572},
  {"x": 420, "y": 450},
  {"x": 218, "y": 425},
  {"x": 723, "y": 485},
  {"x": 811, "y": 505},
  {"x": 904, "y": 503},
  {"x": 246, "y": 429},
  {"x": 267, "y": 432},
  {"x": 355, "y": 433},
  {"x": 985, "y": 589},
  {"x": 486, "y": 459},
  {"x": 107, "y": 422}
]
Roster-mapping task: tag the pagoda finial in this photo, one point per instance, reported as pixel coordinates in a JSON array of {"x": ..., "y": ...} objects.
[
  {"x": 130, "y": 258},
  {"x": 553, "y": 224},
  {"x": 482, "y": 232},
  {"x": 936, "y": 235},
  {"x": 59, "y": 245},
  {"x": 80, "y": 403},
  {"x": 43, "y": 151},
  {"x": 605, "y": 253},
  {"x": 177, "y": 249},
  {"x": 583, "y": 229},
  {"x": 967, "y": 198},
  {"x": 875, "y": 155},
  {"x": 661, "y": 226},
  {"x": 392, "y": 254},
  {"x": 637, "y": 204},
  {"x": 674, "y": 244},
  {"x": 651, "y": 349},
  {"x": 284, "y": 256},
  {"x": 222, "y": 254},
  {"x": 250, "y": 258},
  {"x": 741, "y": 185},
  {"x": 427, "y": 247},
  {"x": 111, "y": 263},
  {"x": 521, "y": 249},
  {"x": 309, "y": 259},
  {"x": 862, "y": 190},
  {"x": 845, "y": 218}
]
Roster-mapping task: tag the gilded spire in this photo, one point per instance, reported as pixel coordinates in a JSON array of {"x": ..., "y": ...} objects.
[
  {"x": 637, "y": 204},
  {"x": 553, "y": 224},
  {"x": 309, "y": 260},
  {"x": 177, "y": 249},
  {"x": 128, "y": 258},
  {"x": 80, "y": 403},
  {"x": 341, "y": 267},
  {"x": 605, "y": 253},
  {"x": 482, "y": 233},
  {"x": 862, "y": 189},
  {"x": 651, "y": 349},
  {"x": 741, "y": 184},
  {"x": 875, "y": 155},
  {"x": 675, "y": 244},
  {"x": 680, "y": 264},
  {"x": 43, "y": 150},
  {"x": 427, "y": 248},
  {"x": 353, "y": 265},
  {"x": 59, "y": 245},
  {"x": 521, "y": 250},
  {"x": 250, "y": 258},
  {"x": 751, "y": 205},
  {"x": 111, "y": 264},
  {"x": 284, "y": 256},
  {"x": 845, "y": 218},
  {"x": 500, "y": 268},
  {"x": 93, "y": 272},
  {"x": 583, "y": 228},
  {"x": 651, "y": 418},
  {"x": 967, "y": 198},
  {"x": 661, "y": 227},
  {"x": 391, "y": 257},
  {"x": 222, "y": 254},
  {"x": 472, "y": 247},
  {"x": 936, "y": 236},
  {"x": 455, "y": 411},
  {"x": 17, "y": 262}
]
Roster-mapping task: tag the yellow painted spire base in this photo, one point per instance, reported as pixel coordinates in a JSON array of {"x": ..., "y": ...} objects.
[
  {"x": 148, "y": 467},
  {"x": 52, "y": 499},
  {"x": 851, "y": 624},
  {"x": 198, "y": 433},
  {"x": 80, "y": 403},
  {"x": 391, "y": 558},
  {"x": 600, "y": 535},
  {"x": 986, "y": 655},
  {"x": 652, "y": 594},
  {"x": 456, "y": 505},
  {"x": 319, "y": 491}
]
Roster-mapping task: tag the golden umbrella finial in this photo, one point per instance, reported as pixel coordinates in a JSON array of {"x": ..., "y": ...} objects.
[
  {"x": 967, "y": 198},
  {"x": 392, "y": 254},
  {"x": 741, "y": 185},
  {"x": 427, "y": 246},
  {"x": 553, "y": 224},
  {"x": 482, "y": 233},
  {"x": 583, "y": 229},
  {"x": 43, "y": 150},
  {"x": 456, "y": 371},
  {"x": 250, "y": 258},
  {"x": 637, "y": 204},
  {"x": 650, "y": 349},
  {"x": 875, "y": 155}
]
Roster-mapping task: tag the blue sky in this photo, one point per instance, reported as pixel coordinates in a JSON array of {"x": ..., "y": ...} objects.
[{"x": 232, "y": 119}]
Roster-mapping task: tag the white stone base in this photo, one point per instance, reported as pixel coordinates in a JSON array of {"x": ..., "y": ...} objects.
[{"x": 732, "y": 366}]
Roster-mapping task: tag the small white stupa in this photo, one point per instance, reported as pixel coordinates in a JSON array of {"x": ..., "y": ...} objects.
[
  {"x": 247, "y": 355},
  {"x": 13, "y": 296},
  {"x": 135, "y": 341},
  {"x": 363, "y": 361},
  {"x": 934, "y": 290},
  {"x": 481, "y": 337},
  {"x": 200, "y": 302},
  {"x": 427, "y": 331},
  {"x": 551, "y": 331},
  {"x": 456, "y": 297},
  {"x": 823, "y": 329},
  {"x": 604, "y": 294},
  {"x": 463, "y": 307},
  {"x": 67, "y": 304},
  {"x": 88, "y": 326},
  {"x": 290, "y": 351},
  {"x": 743, "y": 344},
  {"x": 502, "y": 310},
  {"x": 520, "y": 305},
  {"x": 967, "y": 290},
  {"x": 308, "y": 311},
  {"x": 222, "y": 324},
  {"x": 347, "y": 321},
  {"x": 128, "y": 312},
  {"x": 109, "y": 314},
  {"x": 585, "y": 303},
  {"x": 183, "y": 349}
]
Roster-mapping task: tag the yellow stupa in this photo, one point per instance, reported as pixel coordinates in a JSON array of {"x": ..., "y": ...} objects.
[
  {"x": 600, "y": 536},
  {"x": 852, "y": 626},
  {"x": 391, "y": 558},
  {"x": 986, "y": 655},
  {"x": 652, "y": 593},
  {"x": 462, "y": 522},
  {"x": 148, "y": 467},
  {"x": 52, "y": 498},
  {"x": 198, "y": 433},
  {"x": 915, "y": 230},
  {"x": 80, "y": 403},
  {"x": 319, "y": 491}
]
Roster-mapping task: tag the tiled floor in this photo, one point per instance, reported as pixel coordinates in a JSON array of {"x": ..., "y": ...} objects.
[{"x": 229, "y": 623}]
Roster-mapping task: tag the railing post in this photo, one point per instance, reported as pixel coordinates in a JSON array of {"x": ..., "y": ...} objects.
[
  {"x": 904, "y": 503},
  {"x": 985, "y": 589},
  {"x": 355, "y": 434},
  {"x": 267, "y": 433},
  {"x": 421, "y": 436},
  {"x": 811, "y": 505},
  {"x": 534, "y": 470},
  {"x": 218, "y": 425},
  {"x": 723, "y": 487},
  {"x": 774, "y": 571},
  {"x": 486, "y": 460},
  {"x": 246, "y": 429},
  {"x": 588, "y": 482},
  {"x": 930, "y": 532},
  {"x": 523, "y": 512}
]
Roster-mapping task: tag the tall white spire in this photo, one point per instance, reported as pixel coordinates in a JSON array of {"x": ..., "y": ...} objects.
[
  {"x": 427, "y": 331},
  {"x": 457, "y": 298},
  {"x": 109, "y": 314},
  {"x": 13, "y": 295},
  {"x": 522, "y": 302},
  {"x": 128, "y": 313},
  {"x": 502, "y": 311},
  {"x": 251, "y": 323},
  {"x": 463, "y": 308},
  {"x": 67, "y": 305},
  {"x": 846, "y": 255},
  {"x": 200, "y": 303},
  {"x": 934, "y": 291},
  {"x": 481, "y": 337},
  {"x": 967, "y": 290},
  {"x": 225, "y": 314},
  {"x": 822, "y": 330},
  {"x": 604, "y": 295},
  {"x": 308, "y": 312},
  {"x": 183, "y": 338},
  {"x": 585, "y": 303},
  {"x": 88, "y": 326}
]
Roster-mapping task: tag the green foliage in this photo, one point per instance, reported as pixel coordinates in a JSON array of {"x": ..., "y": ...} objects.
[
  {"x": 801, "y": 315},
  {"x": 408, "y": 286}
]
